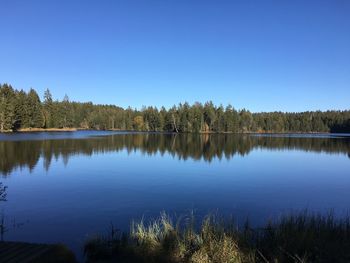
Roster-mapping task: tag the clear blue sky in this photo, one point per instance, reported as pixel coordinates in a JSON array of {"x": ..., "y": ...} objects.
[{"x": 262, "y": 55}]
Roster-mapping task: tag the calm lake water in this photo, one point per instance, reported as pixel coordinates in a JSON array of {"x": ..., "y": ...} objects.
[{"x": 66, "y": 187}]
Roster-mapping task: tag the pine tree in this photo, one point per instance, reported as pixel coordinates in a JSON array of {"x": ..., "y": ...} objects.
[
  {"x": 34, "y": 109},
  {"x": 196, "y": 117},
  {"x": 48, "y": 110},
  {"x": 65, "y": 115},
  {"x": 183, "y": 117},
  {"x": 21, "y": 114},
  {"x": 220, "y": 119},
  {"x": 209, "y": 115},
  {"x": 7, "y": 110},
  {"x": 245, "y": 120}
]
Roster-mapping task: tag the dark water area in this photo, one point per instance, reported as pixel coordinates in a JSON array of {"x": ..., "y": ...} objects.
[{"x": 68, "y": 186}]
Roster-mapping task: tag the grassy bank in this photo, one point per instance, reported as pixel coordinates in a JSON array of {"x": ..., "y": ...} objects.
[{"x": 299, "y": 238}]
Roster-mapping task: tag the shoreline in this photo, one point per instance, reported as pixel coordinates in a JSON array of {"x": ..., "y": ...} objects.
[
  {"x": 30, "y": 130},
  {"x": 45, "y": 130}
]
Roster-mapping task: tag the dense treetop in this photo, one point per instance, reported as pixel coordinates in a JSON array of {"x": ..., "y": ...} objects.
[{"x": 20, "y": 109}]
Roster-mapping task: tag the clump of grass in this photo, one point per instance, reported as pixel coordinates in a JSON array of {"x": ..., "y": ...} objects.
[
  {"x": 298, "y": 238},
  {"x": 164, "y": 241}
]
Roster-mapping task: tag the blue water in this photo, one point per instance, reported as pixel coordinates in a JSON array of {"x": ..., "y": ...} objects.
[{"x": 79, "y": 183}]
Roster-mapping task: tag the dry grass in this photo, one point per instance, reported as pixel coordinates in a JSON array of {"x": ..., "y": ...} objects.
[
  {"x": 167, "y": 242},
  {"x": 295, "y": 239}
]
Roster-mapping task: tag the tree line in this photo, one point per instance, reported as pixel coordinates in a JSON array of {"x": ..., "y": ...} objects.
[{"x": 20, "y": 110}]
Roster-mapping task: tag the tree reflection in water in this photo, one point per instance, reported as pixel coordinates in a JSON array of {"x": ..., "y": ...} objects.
[{"x": 26, "y": 154}]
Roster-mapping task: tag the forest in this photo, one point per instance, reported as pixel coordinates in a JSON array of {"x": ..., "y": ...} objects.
[{"x": 25, "y": 110}]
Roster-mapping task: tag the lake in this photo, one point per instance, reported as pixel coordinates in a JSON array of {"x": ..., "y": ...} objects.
[{"x": 68, "y": 186}]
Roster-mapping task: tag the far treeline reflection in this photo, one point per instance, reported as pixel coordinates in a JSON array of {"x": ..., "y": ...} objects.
[{"x": 26, "y": 154}]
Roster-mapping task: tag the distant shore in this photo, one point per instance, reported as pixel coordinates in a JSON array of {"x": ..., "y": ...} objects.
[
  {"x": 27, "y": 130},
  {"x": 46, "y": 130}
]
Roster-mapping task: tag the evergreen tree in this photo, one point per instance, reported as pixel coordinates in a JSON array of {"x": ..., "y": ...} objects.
[
  {"x": 34, "y": 109},
  {"x": 183, "y": 110},
  {"x": 21, "y": 114},
  {"x": 48, "y": 110},
  {"x": 245, "y": 120},
  {"x": 209, "y": 116},
  {"x": 7, "y": 109},
  {"x": 65, "y": 115},
  {"x": 220, "y": 119},
  {"x": 196, "y": 117}
]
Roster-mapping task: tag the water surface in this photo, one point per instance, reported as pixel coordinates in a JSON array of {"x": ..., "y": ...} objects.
[{"x": 65, "y": 187}]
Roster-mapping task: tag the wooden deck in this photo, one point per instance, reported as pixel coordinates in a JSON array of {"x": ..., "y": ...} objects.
[{"x": 18, "y": 252}]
